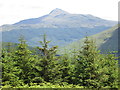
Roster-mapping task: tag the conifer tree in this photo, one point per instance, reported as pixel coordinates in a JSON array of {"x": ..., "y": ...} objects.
[
  {"x": 87, "y": 65},
  {"x": 50, "y": 68},
  {"x": 94, "y": 70},
  {"x": 10, "y": 73},
  {"x": 109, "y": 71},
  {"x": 25, "y": 61},
  {"x": 65, "y": 66}
]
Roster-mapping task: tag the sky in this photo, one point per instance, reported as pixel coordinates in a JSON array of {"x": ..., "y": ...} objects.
[{"x": 12, "y": 11}]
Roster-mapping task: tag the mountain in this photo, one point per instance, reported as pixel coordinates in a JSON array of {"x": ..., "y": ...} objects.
[
  {"x": 60, "y": 26},
  {"x": 106, "y": 41}
]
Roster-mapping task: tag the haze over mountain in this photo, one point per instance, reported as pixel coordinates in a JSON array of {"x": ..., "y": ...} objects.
[
  {"x": 106, "y": 41},
  {"x": 60, "y": 26}
]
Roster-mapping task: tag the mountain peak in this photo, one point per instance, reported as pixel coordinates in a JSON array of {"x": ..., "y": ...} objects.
[{"x": 57, "y": 11}]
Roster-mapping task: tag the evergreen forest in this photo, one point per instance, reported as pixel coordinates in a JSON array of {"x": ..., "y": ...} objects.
[{"x": 43, "y": 67}]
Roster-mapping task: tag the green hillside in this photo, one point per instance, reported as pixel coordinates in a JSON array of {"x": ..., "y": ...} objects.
[{"x": 105, "y": 41}]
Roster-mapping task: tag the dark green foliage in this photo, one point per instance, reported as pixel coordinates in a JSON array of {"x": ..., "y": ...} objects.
[
  {"x": 109, "y": 71},
  {"x": 65, "y": 66},
  {"x": 23, "y": 59},
  {"x": 86, "y": 68},
  {"x": 86, "y": 65},
  {"x": 48, "y": 62},
  {"x": 93, "y": 69},
  {"x": 10, "y": 73}
]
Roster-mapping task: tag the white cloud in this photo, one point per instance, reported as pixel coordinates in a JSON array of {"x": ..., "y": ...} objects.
[{"x": 14, "y": 10}]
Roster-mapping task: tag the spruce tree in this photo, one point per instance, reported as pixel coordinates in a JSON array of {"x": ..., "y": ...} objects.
[
  {"x": 48, "y": 62},
  {"x": 109, "y": 71},
  {"x": 10, "y": 72},
  {"x": 87, "y": 65},
  {"x": 65, "y": 66},
  {"x": 25, "y": 61},
  {"x": 95, "y": 70}
]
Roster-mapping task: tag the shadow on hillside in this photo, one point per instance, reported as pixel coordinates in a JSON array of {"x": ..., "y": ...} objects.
[{"x": 111, "y": 43}]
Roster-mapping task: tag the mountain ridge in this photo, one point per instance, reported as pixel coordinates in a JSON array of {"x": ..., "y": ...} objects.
[
  {"x": 60, "y": 26},
  {"x": 59, "y": 18}
]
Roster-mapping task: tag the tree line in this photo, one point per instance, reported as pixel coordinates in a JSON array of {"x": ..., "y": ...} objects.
[{"x": 87, "y": 68}]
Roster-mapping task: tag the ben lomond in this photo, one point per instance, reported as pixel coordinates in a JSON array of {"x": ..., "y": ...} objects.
[{"x": 61, "y": 28}]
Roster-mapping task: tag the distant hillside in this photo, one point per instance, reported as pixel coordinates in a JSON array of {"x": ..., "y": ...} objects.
[
  {"x": 108, "y": 40},
  {"x": 13, "y": 46},
  {"x": 60, "y": 26},
  {"x": 105, "y": 41}
]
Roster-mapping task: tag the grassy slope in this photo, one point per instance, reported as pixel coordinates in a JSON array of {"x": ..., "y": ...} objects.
[{"x": 106, "y": 40}]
